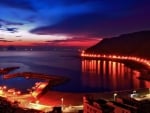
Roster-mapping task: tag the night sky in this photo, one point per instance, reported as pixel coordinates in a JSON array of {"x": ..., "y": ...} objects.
[{"x": 69, "y": 22}]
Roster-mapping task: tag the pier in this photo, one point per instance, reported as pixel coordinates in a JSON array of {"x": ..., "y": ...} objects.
[
  {"x": 7, "y": 70},
  {"x": 52, "y": 79}
]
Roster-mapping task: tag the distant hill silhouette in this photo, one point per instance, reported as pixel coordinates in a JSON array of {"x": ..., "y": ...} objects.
[
  {"x": 133, "y": 44},
  {"x": 11, "y": 48}
]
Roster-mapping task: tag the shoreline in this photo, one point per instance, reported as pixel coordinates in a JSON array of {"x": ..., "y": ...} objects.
[
  {"x": 53, "y": 98},
  {"x": 56, "y": 80},
  {"x": 57, "y": 95}
]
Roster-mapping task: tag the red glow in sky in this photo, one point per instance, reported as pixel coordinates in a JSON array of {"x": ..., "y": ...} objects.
[{"x": 74, "y": 23}]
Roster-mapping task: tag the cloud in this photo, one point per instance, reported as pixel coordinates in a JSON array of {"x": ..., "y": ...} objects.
[
  {"x": 76, "y": 20},
  {"x": 3, "y": 40},
  {"x": 19, "y": 40},
  {"x": 11, "y": 27},
  {"x": 87, "y": 23},
  {"x": 99, "y": 23},
  {"x": 5, "y": 22},
  {"x": 12, "y": 30},
  {"x": 74, "y": 42},
  {"x": 19, "y": 36},
  {"x": 20, "y": 4},
  {"x": 69, "y": 40}
]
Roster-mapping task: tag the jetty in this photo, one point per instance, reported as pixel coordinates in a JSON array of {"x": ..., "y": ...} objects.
[
  {"x": 52, "y": 79},
  {"x": 7, "y": 70}
]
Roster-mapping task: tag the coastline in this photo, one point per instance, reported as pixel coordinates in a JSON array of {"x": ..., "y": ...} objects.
[
  {"x": 53, "y": 98},
  {"x": 70, "y": 99}
]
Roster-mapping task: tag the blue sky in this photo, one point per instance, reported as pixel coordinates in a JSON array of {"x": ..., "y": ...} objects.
[{"x": 69, "y": 22}]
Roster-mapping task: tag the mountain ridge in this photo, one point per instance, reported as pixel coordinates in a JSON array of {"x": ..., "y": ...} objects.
[{"x": 131, "y": 44}]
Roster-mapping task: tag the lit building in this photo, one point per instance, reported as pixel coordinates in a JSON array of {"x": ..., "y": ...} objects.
[
  {"x": 96, "y": 106},
  {"x": 103, "y": 106},
  {"x": 123, "y": 102},
  {"x": 122, "y": 108}
]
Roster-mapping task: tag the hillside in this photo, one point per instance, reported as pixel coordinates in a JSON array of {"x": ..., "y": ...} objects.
[{"x": 133, "y": 44}]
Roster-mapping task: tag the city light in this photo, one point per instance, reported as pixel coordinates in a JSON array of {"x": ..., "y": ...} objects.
[
  {"x": 115, "y": 94},
  {"x": 143, "y": 61},
  {"x": 28, "y": 100}
]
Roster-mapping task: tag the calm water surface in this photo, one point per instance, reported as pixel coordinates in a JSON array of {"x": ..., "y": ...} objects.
[{"x": 85, "y": 75}]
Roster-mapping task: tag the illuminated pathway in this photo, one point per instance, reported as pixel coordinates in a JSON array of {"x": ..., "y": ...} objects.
[
  {"x": 115, "y": 57},
  {"x": 29, "y": 100}
]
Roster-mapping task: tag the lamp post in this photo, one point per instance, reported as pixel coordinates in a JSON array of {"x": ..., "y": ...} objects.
[
  {"x": 62, "y": 102},
  {"x": 134, "y": 92},
  {"x": 115, "y": 94}
]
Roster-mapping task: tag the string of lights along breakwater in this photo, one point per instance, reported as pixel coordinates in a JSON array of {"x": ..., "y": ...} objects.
[{"x": 143, "y": 61}]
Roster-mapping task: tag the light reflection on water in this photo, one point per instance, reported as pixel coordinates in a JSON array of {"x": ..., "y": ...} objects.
[
  {"x": 110, "y": 75},
  {"x": 84, "y": 75}
]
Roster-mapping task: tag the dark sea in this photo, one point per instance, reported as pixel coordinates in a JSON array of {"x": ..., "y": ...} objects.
[{"x": 85, "y": 75}]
